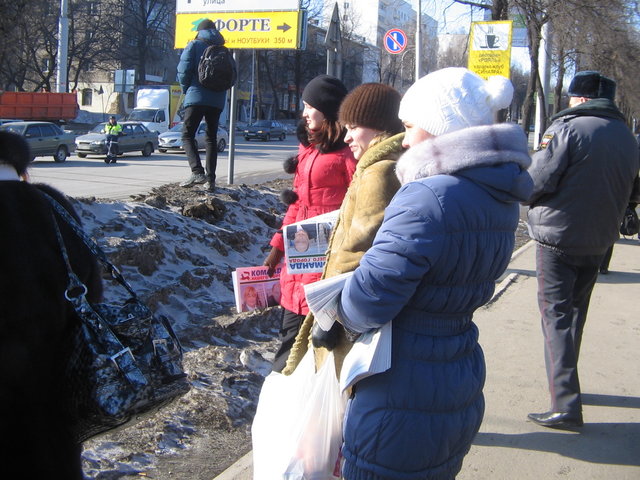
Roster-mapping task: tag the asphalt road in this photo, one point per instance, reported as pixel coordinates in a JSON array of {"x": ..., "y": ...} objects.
[{"x": 254, "y": 162}]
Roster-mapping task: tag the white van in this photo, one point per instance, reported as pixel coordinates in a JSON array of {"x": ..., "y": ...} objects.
[{"x": 156, "y": 107}]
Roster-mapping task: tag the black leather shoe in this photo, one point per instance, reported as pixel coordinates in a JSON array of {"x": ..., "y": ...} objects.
[{"x": 556, "y": 419}]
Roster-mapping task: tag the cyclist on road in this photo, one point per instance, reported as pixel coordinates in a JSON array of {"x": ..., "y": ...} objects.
[{"x": 113, "y": 130}]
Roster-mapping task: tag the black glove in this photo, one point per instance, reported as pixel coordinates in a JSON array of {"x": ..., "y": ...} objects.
[
  {"x": 322, "y": 338},
  {"x": 272, "y": 260},
  {"x": 351, "y": 335}
]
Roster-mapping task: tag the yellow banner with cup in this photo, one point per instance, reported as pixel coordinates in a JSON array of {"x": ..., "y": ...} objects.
[{"x": 490, "y": 48}]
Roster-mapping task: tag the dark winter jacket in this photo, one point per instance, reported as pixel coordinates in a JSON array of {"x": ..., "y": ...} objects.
[
  {"x": 35, "y": 325},
  {"x": 583, "y": 175},
  {"x": 447, "y": 235},
  {"x": 195, "y": 93},
  {"x": 320, "y": 182}
]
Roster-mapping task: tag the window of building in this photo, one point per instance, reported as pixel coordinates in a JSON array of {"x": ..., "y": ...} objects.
[
  {"x": 87, "y": 96},
  {"x": 93, "y": 8}
]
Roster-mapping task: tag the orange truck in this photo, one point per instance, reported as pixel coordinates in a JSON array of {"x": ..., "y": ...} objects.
[{"x": 50, "y": 106}]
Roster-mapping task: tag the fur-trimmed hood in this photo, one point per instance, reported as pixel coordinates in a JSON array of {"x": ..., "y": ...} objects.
[{"x": 465, "y": 150}]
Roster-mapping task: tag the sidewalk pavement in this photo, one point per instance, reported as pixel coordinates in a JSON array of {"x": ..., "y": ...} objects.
[{"x": 508, "y": 447}]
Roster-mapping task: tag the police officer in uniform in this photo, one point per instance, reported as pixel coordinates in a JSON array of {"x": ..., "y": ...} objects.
[
  {"x": 583, "y": 174},
  {"x": 113, "y": 130}
]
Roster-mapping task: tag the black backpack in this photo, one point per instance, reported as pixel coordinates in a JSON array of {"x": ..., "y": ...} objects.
[{"x": 217, "y": 69}]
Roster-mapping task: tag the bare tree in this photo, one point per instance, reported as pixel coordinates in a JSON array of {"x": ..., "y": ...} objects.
[
  {"x": 455, "y": 52},
  {"x": 605, "y": 38},
  {"x": 29, "y": 62},
  {"x": 28, "y": 59},
  {"x": 90, "y": 48},
  {"x": 143, "y": 30}
]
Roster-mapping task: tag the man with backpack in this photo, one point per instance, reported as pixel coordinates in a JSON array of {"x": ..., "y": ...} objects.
[{"x": 200, "y": 102}]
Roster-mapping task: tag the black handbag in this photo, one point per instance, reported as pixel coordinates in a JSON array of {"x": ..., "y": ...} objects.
[
  {"x": 630, "y": 223},
  {"x": 125, "y": 362}
]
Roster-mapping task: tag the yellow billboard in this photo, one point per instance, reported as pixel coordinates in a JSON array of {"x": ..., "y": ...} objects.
[
  {"x": 244, "y": 29},
  {"x": 490, "y": 48}
]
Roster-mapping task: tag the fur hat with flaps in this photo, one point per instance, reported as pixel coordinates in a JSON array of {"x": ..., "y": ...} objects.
[
  {"x": 454, "y": 98},
  {"x": 372, "y": 105},
  {"x": 325, "y": 93},
  {"x": 591, "y": 84}
]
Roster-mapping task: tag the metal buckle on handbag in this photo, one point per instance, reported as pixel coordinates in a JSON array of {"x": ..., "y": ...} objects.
[
  {"x": 114, "y": 358},
  {"x": 128, "y": 367},
  {"x": 159, "y": 342}
]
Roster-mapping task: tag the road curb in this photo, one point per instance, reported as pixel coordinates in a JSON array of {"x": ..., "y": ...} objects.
[
  {"x": 522, "y": 250},
  {"x": 242, "y": 469}
]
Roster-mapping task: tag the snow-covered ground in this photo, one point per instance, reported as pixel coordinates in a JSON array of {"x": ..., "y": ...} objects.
[{"x": 177, "y": 248}]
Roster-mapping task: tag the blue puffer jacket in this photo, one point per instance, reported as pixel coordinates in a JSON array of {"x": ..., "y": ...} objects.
[
  {"x": 195, "y": 93},
  {"x": 447, "y": 235}
]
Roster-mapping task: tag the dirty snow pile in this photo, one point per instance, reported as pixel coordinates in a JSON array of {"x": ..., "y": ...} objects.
[{"x": 177, "y": 248}]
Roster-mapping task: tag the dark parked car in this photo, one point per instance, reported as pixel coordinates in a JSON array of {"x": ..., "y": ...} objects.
[
  {"x": 265, "y": 130},
  {"x": 135, "y": 137},
  {"x": 44, "y": 138},
  {"x": 9, "y": 120}
]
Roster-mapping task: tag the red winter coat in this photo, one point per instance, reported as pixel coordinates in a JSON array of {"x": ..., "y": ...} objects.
[{"x": 321, "y": 181}]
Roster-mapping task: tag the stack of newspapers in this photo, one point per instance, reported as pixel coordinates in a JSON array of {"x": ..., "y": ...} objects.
[{"x": 371, "y": 353}]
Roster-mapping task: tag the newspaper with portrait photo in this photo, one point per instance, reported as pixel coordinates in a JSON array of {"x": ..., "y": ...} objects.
[
  {"x": 306, "y": 243},
  {"x": 254, "y": 289}
]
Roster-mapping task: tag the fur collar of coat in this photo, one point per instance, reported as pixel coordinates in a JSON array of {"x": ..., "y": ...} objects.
[
  {"x": 487, "y": 145},
  {"x": 388, "y": 149}
]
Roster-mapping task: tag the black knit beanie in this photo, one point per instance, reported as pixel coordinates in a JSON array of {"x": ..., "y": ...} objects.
[
  {"x": 372, "y": 105},
  {"x": 325, "y": 93}
]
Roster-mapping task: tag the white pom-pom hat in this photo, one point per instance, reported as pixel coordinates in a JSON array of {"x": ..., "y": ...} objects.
[{"x": 454, "y": 98}]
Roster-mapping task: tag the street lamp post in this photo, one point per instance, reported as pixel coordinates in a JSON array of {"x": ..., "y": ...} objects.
[
  {"x": 253, "y": 75},
  {"x": 418, "y": 38},
  {"x": 63, "y": 45},
  {"x": 409, "y": 49}
]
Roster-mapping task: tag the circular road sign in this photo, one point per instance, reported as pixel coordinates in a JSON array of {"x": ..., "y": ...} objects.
[{"x": 395, "y": 40}]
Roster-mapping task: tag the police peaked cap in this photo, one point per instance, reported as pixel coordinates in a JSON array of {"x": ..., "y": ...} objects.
[{"x": 591, "y": 84}]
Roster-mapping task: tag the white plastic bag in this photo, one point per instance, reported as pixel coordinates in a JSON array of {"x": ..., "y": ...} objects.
[{"x": 297, "y": 430}]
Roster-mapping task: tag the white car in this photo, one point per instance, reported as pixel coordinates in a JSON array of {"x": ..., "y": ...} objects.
[{"x": 171, "y": 141}]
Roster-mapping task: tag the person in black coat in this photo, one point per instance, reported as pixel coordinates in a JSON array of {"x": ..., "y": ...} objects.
[{"x": 36, "y": 322}]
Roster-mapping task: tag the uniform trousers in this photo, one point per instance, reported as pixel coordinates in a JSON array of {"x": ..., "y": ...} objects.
[{"x": 565, "y": 283}]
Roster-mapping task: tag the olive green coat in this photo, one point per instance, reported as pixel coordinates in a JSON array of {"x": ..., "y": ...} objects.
[{"x": 373, "y": 186}]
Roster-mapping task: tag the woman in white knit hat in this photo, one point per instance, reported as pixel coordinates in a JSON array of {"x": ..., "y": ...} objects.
[{"x": 447, "y": 235}]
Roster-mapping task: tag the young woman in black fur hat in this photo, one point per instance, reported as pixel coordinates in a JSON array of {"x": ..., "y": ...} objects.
[{"x": 323, "y": 170}]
